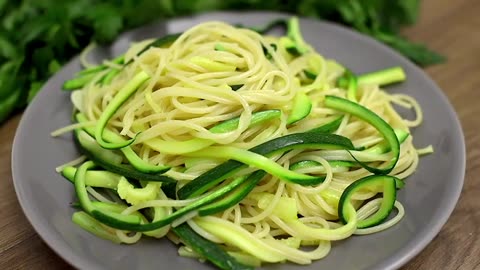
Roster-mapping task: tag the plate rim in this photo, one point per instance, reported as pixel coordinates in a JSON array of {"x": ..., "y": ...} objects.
[{"x": 79, "y": 262}]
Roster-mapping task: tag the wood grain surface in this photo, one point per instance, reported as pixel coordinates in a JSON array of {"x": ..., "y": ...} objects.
[{"x": 450, "y": 27}]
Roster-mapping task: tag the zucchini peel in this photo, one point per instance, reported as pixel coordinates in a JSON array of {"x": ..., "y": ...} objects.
[
  {"x": 373, "y": 119},
  {"x": 120, "y": 98},
  {"x": 389, "y": 186}
]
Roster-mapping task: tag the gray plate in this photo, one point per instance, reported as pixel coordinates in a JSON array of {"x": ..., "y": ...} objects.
[{"x": 429, "y": 197}]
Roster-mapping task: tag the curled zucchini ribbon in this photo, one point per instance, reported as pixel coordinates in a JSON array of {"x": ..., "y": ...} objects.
[
  {"x": 120, "y": 98},
  {"x": 221, "y": 198},
  {"x": 132, "y": 157},
  {"x": 211, "y": 178},
  {"x": 254, "y": 157},
  {"x": 387, "y": 184},
  {"x": 112, "y": 162},
  {"x": 376, "y": 121}
]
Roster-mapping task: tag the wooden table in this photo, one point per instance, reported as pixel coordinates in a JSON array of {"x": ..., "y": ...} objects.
[{"x": 450, "y": 27}]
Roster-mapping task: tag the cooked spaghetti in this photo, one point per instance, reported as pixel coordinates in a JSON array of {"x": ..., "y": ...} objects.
[{"x": 218, "y": 94}]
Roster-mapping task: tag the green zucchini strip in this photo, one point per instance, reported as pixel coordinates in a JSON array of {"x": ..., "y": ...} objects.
[
  {"x": 312, "y": 163},
  {"x": 120, "y": 98},
  {"x": 310, "y": 75},
  {"x": 92, "y": 148},
  {"x": 294, "y": 33},
  {"x": 329, "y": 127},
  {"x": 110, "y": 161},
  {"x": 219, "y": 47},
  {"x": 384, "y": 147},
  {"x": 234, "y": 197},
  {"x": 373, "y": 119},
  {"x": 95, "y": 227},
  {"x": 85, "y": 76},
  {"x": 86, "y": 204},
  {"x": 306, "y": 140},
  {"x": 207, "y": 249},
  {"x": 132, "y": 157},
  {"x": 88, "y": 223},
  {"x": 78, "y": 82},
  {"x": 257, "y": 118},
  {"x": 211, "y": 65},
  {"x": 183, "y": 147},
  {"x": 107, "y": 79},
  {"x": 383, "y": 77},
  {"x": 352, "y": 88},
  {"x": 133, "y": 195},
  {"x": 236, "y": 86},
  {"x": 122, "y": 225},
  {"x": 307, "y": 232},
  {"x": 257, "y": 161},
  {"x": 350, "y": 82},
  {"x": 302, "y": 106},
  {"x": 140, "y": 164},
  {"x": 91, "y": 70},
  {"x": 266, "y": 53},
  {"x": 114, "y": 208},
  {"x": 96, "y": 69},
  {"x": 118, "y": 60},
  {"x": 103, "y": 179},
  {"x": 241, "y": 238},
  {"x": 178, "y": 147},
  {"x": 373, "y": 181}
]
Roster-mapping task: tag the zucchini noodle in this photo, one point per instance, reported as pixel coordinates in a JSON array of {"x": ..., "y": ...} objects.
[
  {"x": 85, "y": 52},
  {"x": 215, "y": 72},
  {"x": 74, "y": 162}
]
